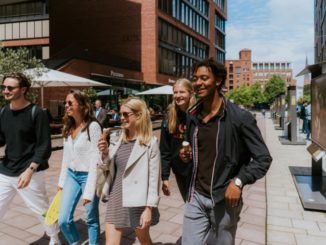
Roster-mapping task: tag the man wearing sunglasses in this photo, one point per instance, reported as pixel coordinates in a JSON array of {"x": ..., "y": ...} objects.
[{"x": 26, "y": 135}]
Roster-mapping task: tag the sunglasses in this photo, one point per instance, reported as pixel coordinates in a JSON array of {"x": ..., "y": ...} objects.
[
  {"x": 69, "y": 102},
  {"x": 125, "y": 114},
  {"x": 10, "y": 88}
]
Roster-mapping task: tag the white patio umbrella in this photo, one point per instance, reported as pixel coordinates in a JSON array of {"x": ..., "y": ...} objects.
[
  {"x": 44, "y": 77},
  {"x": 167, "y": 89}
]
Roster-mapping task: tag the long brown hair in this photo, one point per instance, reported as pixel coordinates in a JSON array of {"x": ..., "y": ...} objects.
[
  {"x": 143, "y": 125},
  {"x": 173, "y": 108},
  {"x": 86, "y": 111}
]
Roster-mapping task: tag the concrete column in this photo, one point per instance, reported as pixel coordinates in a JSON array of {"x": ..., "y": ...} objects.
[
  {"x": 282, "y": 111},
  {"x": 292, "y": 114}
]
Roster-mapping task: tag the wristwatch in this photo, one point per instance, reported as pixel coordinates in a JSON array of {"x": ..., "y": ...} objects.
[
  {"x": 238, "y": 183},
  {"x": 32, "y": 168}
]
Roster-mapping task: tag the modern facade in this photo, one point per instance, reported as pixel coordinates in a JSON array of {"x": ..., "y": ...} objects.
[
  {"x": 263, "y": 71},
  {"x": 128, "y": 44},
  {"x": 244, "y": 71},
  {"x": 131, "y": 42},
  {"x": 25, "y": 23},
  {"x": 320, "y": 30}
]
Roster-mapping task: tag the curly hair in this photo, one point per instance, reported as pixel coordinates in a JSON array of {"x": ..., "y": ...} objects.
[
  {"x": 23, "y": 80},
  {"x": 217, "y": 68},
  {"x": 86, "y": 112}
]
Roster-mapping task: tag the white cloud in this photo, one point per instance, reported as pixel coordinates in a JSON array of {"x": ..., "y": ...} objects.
[{"x": 275, "y": 30}]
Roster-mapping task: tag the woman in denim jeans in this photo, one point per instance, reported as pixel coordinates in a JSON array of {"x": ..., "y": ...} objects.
[{"x": 77, "y": 179}]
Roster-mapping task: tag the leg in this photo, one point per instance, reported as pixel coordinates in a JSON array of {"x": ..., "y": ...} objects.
[
  {"x": 224, "y": 224},
  {"x": 92, "y": 212},
  {"x": 70, "y": 196},
  {"x": 112, "y": 235},
  {"x": 92, "y": 220},
  {"x": 35, "y": 197},
  {"x": 144, "y": 236},
  {"x": 7, "y": 192},
  {"x": 196, "y": 222}
]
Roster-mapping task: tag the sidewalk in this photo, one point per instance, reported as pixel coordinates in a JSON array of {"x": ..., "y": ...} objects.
[
  {"x": 287, "y": 221},
  {"x": 277, "y": 221}
]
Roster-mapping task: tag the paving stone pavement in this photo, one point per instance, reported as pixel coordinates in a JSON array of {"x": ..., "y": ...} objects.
[
  {"x": 287, "y": 221},
  {"x": 272, "y": 213}
]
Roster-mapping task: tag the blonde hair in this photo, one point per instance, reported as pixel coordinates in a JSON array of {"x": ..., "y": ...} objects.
[
  {"x": 173, "y": 109},
  {"x": 143, "y": 125}
]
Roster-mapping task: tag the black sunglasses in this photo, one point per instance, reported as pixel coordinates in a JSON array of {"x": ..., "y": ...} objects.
[
  {"x": 10, "y": 88},
  {"x": 125, "y": 114},
  {"x": 69, "y": 102}
]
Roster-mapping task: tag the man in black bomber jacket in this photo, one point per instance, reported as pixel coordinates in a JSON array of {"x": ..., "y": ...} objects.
[{"x": 228, "y": 152}]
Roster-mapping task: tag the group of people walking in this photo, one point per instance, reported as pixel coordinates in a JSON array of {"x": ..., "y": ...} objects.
[{"x": 225, "y": 152}]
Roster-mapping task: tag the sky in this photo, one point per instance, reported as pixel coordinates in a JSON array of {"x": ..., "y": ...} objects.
[{"x": 275, "y": 30}]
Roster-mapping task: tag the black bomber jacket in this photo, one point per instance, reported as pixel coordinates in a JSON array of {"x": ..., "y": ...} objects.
[{"x": 240, "y": 149}]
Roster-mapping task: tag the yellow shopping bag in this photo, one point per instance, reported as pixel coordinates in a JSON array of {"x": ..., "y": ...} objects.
[{"x": 53, "y": 212}]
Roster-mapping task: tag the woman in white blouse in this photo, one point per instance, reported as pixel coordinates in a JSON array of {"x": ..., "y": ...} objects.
[{"x": 77, "y": 179}]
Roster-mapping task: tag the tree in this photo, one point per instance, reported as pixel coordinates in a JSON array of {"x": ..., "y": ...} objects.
[
  {"x": 91, "y": 94},
  {"x": 274, "y": 87},
  {"x": 240, "y": 96},
  {"x": 17, "y": 60},
  {"x": 256, "y": 94}
]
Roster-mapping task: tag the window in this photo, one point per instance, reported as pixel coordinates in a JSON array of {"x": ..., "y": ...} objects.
[{"x": 238, "y": 70}]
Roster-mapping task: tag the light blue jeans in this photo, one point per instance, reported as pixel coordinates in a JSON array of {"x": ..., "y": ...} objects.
[
  {"x": 72, "y": 190},
  {"x": 206, "y": 223}
]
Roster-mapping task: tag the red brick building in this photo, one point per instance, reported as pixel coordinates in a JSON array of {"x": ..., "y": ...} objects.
[
  {"x": 127, "y": 44},
  {"x": 239, "y": 72},
  {"x": 122, "y": 42},
  {"x": 246, "y": 72}
]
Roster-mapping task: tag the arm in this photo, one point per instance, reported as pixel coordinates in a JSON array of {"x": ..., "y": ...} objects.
[
  {"x": 64, "y": 164},
  {"x": 43, "y": 138},
  {"x": 165, "y": 149},
  {"x": 260, "y": 156},
  {"x": 154, "y": 174},
  {"x": 42, "y": 148},
  {"x": 95, "y": 134},
  {"x": 258, "y": 165}
]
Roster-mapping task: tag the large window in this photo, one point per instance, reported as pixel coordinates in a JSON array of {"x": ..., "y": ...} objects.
[
  {"x": 180, "y": 41},
  {"x": 31, "y": 8},
  {"x": 173, "y": 63},
  {"x": 219, "y": 39},
  {"x": 178, "y": 51},
  {"x": 220, "y": 22},
  {"x": 220, "y": 56},
  {"x": 193, "y": 13},
  {"x": 220, "y": 4}
]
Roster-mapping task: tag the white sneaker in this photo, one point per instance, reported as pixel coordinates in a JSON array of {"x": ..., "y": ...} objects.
[{"x": 54, "y": 240}]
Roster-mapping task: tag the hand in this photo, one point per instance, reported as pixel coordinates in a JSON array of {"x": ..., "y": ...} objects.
[
  {"x": 24, "y": 178},
  {"x": 185, "y": 155},
  {"x": 103, "y": 148},
  {"x": 166, "y": 187},
  {"x": 232, "y": 194},
  {"x": 59, "y": 188},
  {"x": 145, "y": 218},
  {"x": 86, "y": 201}
]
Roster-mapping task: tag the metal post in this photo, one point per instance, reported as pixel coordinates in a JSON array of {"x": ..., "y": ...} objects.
[{"x": 282, "y": 111}]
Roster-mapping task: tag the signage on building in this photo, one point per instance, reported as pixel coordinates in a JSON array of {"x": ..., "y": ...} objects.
[
  {"x": 171, "y": 80},
  {"x": 116, "y": 74}
]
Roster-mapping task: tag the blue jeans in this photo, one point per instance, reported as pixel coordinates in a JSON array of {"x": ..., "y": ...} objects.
[
  {"x": 72, "y": 190},
  {"x": 206, "y": 223}
]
